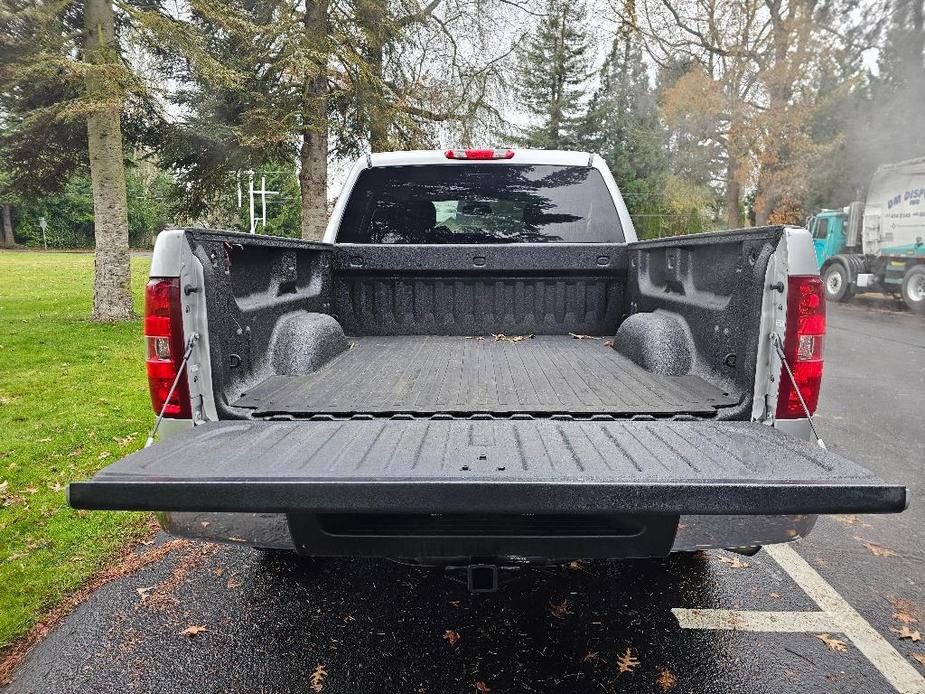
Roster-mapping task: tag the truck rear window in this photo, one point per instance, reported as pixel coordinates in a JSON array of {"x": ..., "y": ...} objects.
[{"x": 480, "y": 203}]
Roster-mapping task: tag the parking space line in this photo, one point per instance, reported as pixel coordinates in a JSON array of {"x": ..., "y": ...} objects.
[
  {"x": 749, "y": 620},
  {"x": 837, "y": 615}
]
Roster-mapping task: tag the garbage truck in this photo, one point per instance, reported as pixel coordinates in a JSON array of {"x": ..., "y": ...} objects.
[{"x": 877, "y": 245}]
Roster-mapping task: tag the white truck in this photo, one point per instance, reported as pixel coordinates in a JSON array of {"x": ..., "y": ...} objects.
[
  {"x": 877, "y": 246},
  {"x": 480, "y": 365}
]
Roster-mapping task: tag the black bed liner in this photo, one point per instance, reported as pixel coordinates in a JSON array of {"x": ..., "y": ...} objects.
[
  {"x": 545, "y": 374},
  {"x": 483, "y": 466}
]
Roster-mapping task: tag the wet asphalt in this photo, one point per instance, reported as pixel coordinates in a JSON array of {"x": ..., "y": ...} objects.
[{"x": 272, "y": 622}]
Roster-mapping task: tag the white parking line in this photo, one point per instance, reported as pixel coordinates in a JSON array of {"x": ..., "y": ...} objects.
[{"x": 836, "y": 616}]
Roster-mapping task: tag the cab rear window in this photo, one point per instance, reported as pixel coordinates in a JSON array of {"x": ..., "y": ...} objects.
[{"x": 479, "y": 204}]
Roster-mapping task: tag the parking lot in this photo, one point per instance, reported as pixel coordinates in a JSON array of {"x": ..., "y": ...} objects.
[{"x": 836, "y": 612}]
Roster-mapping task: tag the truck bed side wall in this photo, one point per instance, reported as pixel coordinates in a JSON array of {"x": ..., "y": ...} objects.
[{"x": 715, "y": 282}]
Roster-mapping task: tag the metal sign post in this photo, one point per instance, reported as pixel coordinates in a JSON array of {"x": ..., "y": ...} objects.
[{"x": 43, "y": 225}]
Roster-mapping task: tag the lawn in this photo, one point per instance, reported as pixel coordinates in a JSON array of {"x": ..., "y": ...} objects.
[{"x": 73, "y": 398}]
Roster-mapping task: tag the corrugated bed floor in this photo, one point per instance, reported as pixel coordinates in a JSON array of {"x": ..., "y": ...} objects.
[{"x": 544, "y": 375}]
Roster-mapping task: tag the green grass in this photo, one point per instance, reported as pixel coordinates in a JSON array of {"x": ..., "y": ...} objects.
[{"x": 73, "y": 398}]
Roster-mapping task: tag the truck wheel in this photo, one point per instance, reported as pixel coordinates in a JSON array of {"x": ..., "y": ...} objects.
[
  {"x": 914, "y": 288},
  {"x": 837, "y": 286}
]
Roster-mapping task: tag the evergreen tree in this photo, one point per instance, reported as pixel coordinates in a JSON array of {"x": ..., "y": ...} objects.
[
  {"x": 622, "y": 125},
  {"x": 552, "y": 70}
]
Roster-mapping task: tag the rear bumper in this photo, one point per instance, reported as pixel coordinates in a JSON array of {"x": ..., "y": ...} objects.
[{"x": 272, "y": 531}]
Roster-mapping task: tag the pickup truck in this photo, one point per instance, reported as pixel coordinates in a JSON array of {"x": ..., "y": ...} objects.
[{"x": 480, "y": 365}]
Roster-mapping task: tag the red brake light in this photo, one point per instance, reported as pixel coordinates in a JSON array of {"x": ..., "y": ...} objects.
[
  {"x": 802, "y": 346},
  {"x": 165, "y": 346},
  {"x": 488, "y": 153}
]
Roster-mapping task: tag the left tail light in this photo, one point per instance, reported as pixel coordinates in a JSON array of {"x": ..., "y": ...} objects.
[
  {"x": 164, "y": 346},
  {"x": 802, "y": 346}
]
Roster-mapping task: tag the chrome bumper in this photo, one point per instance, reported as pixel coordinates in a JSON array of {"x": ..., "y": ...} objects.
[{"x": 271, "y": 530}]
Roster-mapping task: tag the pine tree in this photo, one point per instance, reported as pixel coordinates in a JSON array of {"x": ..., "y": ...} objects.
[
  {"x": 552, "y": 70},
  {"x": 622, "y": 125}
]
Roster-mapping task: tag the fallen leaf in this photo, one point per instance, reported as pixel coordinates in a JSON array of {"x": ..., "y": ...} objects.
[
  {"x": 454, "y": 603},
  {"x": 46, "y": 440},
  {"x": 775, "y": 595},
  {"x": 608, "y": 343},
  {"x": 232, "y": 583},
  {"x": 627, "y": 662},
  {"x": 919, "y": 658},
  {"x": 218, "y": 570},
  {"x": 904, "y": 606},
  {"x": 904, "y": 617},
  {"x": 585, "y": 337},
  {"x": 143, "y": 593},
  {"x": 193, "y": 630},
  {"x": 481, "y": 687},
  {"x": 832, "y": 643},
  {"x": 104, "y": 454},
  {"x": 875, "y": 549},
  {"x": 146, "y": 543},
  {"x": 735, "y": 562},
  {"x": 205, "y": 524},
  {"x": 317, "y": 678},
  {"x": 592, "y": 657},
  {"x": 577, "y": 565},
  {"x": 666, "y": 680},
  {"x": 501, "y": 337},
  {"x": 451, "y": 636},
  {"x": 474, "y": 337},
  {"x": 905, "y": 632},
  {"x": 559, "y": 611}
]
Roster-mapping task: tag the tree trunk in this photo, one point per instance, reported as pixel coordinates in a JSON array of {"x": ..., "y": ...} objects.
[
  {"x": 313, "y": 155},
  {"x": 7, "y": 238},
  {"x": 733, "y": 214},
  {"x": 112, "y": 295},
  {"x": 373, "y": 18}
]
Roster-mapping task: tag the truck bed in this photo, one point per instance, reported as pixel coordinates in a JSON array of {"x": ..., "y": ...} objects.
[{"x": 427, "y": 375}]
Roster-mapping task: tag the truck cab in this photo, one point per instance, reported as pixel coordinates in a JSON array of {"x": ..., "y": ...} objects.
[{"x": 828, "y": 229}]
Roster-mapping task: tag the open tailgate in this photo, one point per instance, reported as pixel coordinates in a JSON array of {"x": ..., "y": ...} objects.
[{"x": 487, "y": 465}]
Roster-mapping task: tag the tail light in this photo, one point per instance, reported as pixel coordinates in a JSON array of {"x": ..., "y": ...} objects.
[
  {"x": 488, "y": 153},
  {"x": 802, "y": 346},
  {"x": 165, "y": 346}
]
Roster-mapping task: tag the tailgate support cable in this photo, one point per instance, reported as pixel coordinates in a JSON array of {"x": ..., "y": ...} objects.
[
  {"x": 783, "y": 359},
  {"x": 173, "y": 386}
]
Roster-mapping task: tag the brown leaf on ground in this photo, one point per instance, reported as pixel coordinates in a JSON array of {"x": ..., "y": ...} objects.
[
  {"x": 577, "y": 565},
  {"x": 905, "y": 632},
  {"x": 735, "y": 562},
  {"x": 627, "y": 662},
  {"x": 501, "y": 337},
  {"x": 666, "y": 680},
  {"x": 592, "y": 657},
  {"x": 608, "y": 343},
  {"x": 194, "y": 630},
  {"x": 775, "y": 595},
  {"x": 905, "y": 606},
  {"x": 904, "y": 617},
  {"x": 559, "y": 611},
  {"x": 451, "y": 637},
  {"x": 143, "y": 593},
  {"x": 232, "y": 583},
  {"x": 585, "y": 337},
  {"x": 875, "y": 549},
  {"x": 317, "y": 678},
  {"x": 832, "y": 643},
  {"x": 455, "y": 603},
  {"x": 481, "y": 687},
  {"x": 919, "y": 658}
]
